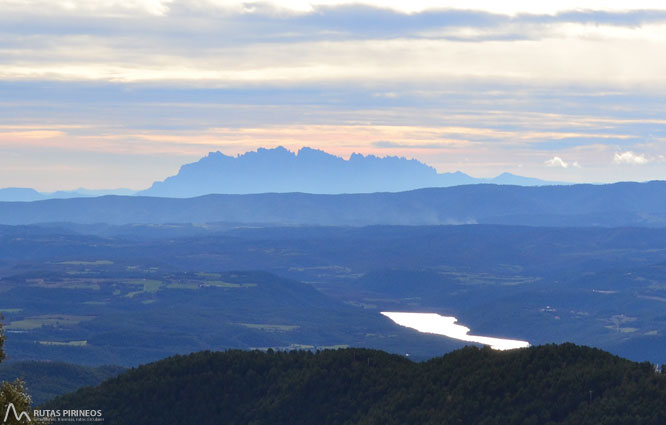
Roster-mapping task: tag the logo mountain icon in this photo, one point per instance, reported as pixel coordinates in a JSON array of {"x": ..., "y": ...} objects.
[{"x": 10, "y": 407}]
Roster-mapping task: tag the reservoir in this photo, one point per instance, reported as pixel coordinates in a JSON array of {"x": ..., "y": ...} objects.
[{"x": 446, "y": 325}]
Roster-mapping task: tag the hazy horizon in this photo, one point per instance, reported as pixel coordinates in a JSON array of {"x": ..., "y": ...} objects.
[
  {"x": 238, "y": 155},
  {"x": 489, "y": 178}
]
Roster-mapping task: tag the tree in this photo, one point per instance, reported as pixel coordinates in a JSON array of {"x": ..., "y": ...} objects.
[{"x": 13, "y": 394}]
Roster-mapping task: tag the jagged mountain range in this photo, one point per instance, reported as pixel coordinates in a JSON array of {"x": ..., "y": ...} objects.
[
  {"x": 279, "y": 170},
  {"x": 310, "y": 170}
]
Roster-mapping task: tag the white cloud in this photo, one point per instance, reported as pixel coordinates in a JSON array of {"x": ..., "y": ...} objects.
[
  {"x": 187, "y": 41},
  {"x": 630, "y": 157},
  {"x": 556, "y": 161},
  {"x": 115, "y": 7},
  {"x": 511, "y": 7},
  {"x": 547, "y": 62},
  {"x": 159, "y": 7}
]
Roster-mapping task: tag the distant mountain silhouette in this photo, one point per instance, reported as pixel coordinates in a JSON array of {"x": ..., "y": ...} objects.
[
  {"x": 620, "y": 204},
  {"x": 310, "y": 171},
  {"x": 279, "y": 170},
  {"x": 21, "y": 194},
  {"x": 18, "y": 194}
]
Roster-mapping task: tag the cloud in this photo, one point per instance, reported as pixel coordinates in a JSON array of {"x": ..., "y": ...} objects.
[
  {"x": 110, "y": 7},
  {"x": 436, "y": 145},
  {"x": 510, "y": 8},
  {"x": 401, "y": 60},
  {"x": 219, "y": 43},
  {"x": 556, "y": 161},
  {"x": 631, "y": 158}
]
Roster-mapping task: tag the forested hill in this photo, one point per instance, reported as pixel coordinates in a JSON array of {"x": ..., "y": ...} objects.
[
  {"x": 620, "y": 204},
  {"x": 563, "y": 384}
]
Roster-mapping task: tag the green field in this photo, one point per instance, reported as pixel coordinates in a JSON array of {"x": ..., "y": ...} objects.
[
  {"x": 66, "y": 283},
  {"x": 178, "y": 285},
  {"x": 56, "y": 321},
  {"x": 270, "y": 328},
  {"x": 87, "y": 263},
  {"x": 65, "y": 343},
  {"x": 10, "y": 310},
  {"x": 149, "y": 286},
  {"x": 221, "y": 284},
  {"x": 209, "y": 275}
]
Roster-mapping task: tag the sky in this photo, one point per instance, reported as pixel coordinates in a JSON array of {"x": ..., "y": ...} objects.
[{"x": 119, "y": 93}]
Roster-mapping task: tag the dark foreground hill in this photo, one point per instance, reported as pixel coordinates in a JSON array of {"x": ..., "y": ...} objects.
[
  {"x": 548, "y": 385},
  {"x": 621, "y": 204}
]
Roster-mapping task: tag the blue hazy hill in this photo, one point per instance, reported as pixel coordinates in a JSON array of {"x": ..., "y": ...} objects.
[
  {"x": 310, "y": 171},
  {"x": 23, "y": 194},
  {"x": 613, "y": 205},
  {"x": 20, "y": 194}
]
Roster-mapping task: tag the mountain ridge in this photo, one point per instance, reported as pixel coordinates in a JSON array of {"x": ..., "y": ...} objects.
[
  {"x": 278, "y": 170},
  {"x": 310, "y": 171},
  {"x": 612, "y": 205},
  {"x": 27, "y": 194}
]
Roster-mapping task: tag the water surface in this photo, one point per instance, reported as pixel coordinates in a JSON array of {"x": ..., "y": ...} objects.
[{"x": 446, "y": 325}]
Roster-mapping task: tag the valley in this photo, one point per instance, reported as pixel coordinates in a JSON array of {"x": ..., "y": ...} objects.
[{"x": 100, "y": 294}]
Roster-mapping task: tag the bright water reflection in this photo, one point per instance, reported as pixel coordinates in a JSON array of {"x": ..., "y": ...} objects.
[{"x": 445, "y": 325}]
